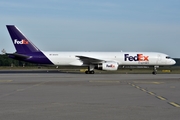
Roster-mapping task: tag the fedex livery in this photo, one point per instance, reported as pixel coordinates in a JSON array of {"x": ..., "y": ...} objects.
[{"x": 27, "y": 51}]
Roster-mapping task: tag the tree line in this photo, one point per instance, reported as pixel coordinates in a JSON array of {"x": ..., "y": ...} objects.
[{"x": 6, "y": 61}]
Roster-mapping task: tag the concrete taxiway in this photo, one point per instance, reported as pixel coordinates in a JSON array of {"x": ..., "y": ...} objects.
[{"x": 55, "y": 96}]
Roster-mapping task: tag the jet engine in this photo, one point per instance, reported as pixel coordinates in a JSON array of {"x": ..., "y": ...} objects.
[{"x": 109, "y": 66}]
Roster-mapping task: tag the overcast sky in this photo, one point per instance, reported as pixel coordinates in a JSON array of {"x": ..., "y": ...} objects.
[{"x": 94, "y": 25}]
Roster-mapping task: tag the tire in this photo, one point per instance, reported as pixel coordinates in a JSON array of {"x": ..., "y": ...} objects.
[
  {"x": 91, "y": 72},
  {"x": 154, "y": 73},
  {"x": 87, "y": 72}
]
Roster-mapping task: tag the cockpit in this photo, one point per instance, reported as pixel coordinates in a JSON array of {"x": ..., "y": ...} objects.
[
  {"x": 167, "y": 57},
  {"x": 169, "y": 60}
]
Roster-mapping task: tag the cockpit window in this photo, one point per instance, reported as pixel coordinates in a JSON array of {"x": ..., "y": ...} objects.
[{"x": 167, "y": 57}]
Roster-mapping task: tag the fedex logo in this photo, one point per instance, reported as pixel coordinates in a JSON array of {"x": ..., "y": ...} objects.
[
  {"x": 111, "y": 65},
  {"x": 23, "y": 41},
  {"x": 138, "y": 57}
]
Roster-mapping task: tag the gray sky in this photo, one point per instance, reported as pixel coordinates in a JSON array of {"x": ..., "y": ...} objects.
[{"x": 94, "y": 25}]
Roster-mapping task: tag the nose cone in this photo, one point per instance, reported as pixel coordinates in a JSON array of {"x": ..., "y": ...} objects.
[{"x": 173, "y": 62}]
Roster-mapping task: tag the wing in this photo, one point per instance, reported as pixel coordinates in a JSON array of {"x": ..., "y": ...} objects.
[{"x": 89, "y": 60}]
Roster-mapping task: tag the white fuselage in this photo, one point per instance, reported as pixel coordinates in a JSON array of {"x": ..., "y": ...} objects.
[{"x": 122, "y": 58}]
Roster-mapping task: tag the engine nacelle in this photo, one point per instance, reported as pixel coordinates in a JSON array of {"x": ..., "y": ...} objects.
[{"x": 109, "y": 66}]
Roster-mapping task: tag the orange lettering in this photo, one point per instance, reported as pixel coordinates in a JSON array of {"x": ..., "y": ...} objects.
[
  {"x": 146, "y": 58},
  {"x": 140, "y": 57}
]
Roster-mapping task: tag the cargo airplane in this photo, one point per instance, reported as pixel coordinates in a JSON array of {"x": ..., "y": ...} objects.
[{"x": 109, "y": 61}]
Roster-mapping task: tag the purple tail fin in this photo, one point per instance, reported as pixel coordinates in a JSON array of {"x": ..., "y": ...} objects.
[{"x": 21, "y": 43}]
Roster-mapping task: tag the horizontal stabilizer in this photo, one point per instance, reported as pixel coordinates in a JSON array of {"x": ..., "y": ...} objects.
[{"x": 18, "y": 56}]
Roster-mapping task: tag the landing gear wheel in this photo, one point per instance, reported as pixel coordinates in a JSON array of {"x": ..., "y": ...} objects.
[
  {"x": 154, "y": 73},
  {"x": 90, "y": 69},
  {"x": 155, "y": 70},
  {"x": 89, "y": 72}
]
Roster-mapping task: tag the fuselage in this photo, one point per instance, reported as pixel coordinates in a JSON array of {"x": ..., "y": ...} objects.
[{"x": 122, "y": 58}]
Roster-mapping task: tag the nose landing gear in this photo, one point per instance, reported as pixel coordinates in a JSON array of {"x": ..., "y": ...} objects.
[
  {"x": 155, "y": 70},
  {"x": 89, "y": 72}
]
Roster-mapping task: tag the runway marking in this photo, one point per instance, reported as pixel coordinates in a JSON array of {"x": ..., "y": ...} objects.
[
  {"x": 161, "y": 98},
  {"x": 137, "y": 87},
  {"x": 104, "y": 81},
  {"x": 23, "y": 89},
  {"x": 142, "y": 82},
  {"x": 143, "y": 89},
  {"x": 174, "y": 104},
  {"x": 151, "y": 93},
  {"x": 5, "y": 81},
  {"x": 7, "y": 94}
]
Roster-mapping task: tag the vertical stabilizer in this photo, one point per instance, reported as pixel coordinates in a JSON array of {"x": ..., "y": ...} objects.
[{"x": 21, "y": 43}]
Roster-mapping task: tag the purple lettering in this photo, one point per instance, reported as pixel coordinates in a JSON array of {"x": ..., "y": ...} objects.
[{"x": 127, "y": 57}]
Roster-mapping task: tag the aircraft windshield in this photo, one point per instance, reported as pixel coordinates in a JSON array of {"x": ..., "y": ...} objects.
[{"x": 168, "y": 57}]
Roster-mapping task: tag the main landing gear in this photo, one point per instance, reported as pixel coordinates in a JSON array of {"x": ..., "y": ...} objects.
[
  {"x": 90, "y": 69},
  {"x": 89, "y": 72},
  {"x": 155, "y": 70}
]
